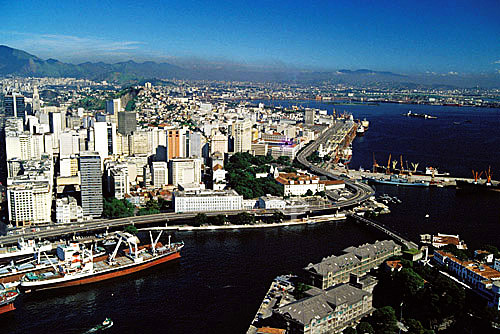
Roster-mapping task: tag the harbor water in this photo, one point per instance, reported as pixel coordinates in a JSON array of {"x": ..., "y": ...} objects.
[{"x": 218, "y": 284}]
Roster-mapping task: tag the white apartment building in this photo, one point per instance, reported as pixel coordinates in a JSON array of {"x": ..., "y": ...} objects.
[
  {"x": 207, "y": 200},
  {"x": 68, "y": 211},
  {"x": 243, "y": 136},
  {"x": 119, "y": 181},
  {"x": 160, "y": 174},
  {"x": 183, "y": 171},
  {"x": 218, "y": 143},
  {"x": 29, "y": 203},
  {"x": 69, "y": 144}
]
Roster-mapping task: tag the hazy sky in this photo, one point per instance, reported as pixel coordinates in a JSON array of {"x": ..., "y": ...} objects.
[{"x": 397, "y": 35}]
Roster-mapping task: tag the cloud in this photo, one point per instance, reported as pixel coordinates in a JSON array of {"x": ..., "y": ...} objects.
[
  {"x": 72, "y": 48},
  {"x": 452, "y": 73},
  {"x": 497, "y": 61}
]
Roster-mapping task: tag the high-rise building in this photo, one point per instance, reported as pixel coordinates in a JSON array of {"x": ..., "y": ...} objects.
[
  {"x": 175, "y": 147},
  {"x": 218, "y": 143},
  {"x": 56, "y": 120},
  {"x": 183, "y": 171},
  {"x": 113, "y": 106},
  {"x": 160, "y": 174},
  {"x": 14, "y": 105},
  {"x": 36, "y": 100},
  {"x": 195, "y": 144},
  {"x": 309, "y": 117},
  {"x": 91, "y": 183},
  {"x": 69, "y": 144},
  {"x": 105, "y": 139},
  {"x": 127, "y": 122},
  {"x": 243, "y": 136},
  {"x": 119, "y": 181}
]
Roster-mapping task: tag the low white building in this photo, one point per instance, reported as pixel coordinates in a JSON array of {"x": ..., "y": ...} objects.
[
  {"x": 271, "y": 202},
  {"x": 68, "y": 211},
  {"x": 207, "y": 200},
  {"x": 297, "y": 184}
]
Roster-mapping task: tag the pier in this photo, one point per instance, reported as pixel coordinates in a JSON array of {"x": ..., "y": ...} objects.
[{"x": 381, "y": 227}]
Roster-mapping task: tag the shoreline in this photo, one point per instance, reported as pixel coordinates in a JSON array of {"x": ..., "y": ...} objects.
[{"x": 310, "y": 221}]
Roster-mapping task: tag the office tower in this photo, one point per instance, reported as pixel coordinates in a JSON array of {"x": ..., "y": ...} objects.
[
  {"x": 127, "y": 122},
  {"x": 105, "y": 139},
  {"x": 118, "y": 181},
  {"x": 174, "y": 147},
  {"x": 309, "y": 117},
  {"x": 160, "y": 174},
  {"x": 91, "y": 183},
  {"x": 14, "y": 105},
  {"x": 69, "y": 144},
  {"x": 243, "y": 136},
  {"x": 113, "y": 106},
  {"x": 195, "y": 144},
  {"x": 29, "y": 203},
  {"x": 36, "y": 100},
  {"x": 183, "y": 171},
  {"x": 55, "y": 123}
]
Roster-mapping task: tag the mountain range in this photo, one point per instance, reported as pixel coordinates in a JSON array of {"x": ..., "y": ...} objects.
[{"x": 16, "y": 62}]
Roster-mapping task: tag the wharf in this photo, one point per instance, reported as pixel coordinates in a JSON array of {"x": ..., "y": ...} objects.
[{"x": 438, "y": 181}]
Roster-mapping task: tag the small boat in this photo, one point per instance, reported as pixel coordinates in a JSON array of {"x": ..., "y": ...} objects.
[
  {"x": 8, "y": 295},
  {"x": 107, "y": 323}
]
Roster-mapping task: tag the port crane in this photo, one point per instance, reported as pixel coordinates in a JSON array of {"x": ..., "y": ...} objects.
[
  {"x": 375, "y": 165},
  {"x": 476, "y": 175},
  {"x": 488, "y": 176},
  {"x": 388, "y": 169}
]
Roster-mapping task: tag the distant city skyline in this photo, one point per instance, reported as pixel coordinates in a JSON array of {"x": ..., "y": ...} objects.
[{"x": 405, "y": 37}]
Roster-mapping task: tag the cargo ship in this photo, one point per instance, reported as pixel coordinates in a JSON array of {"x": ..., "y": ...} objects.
[
  {"x": 13, "y": 272},
  {"x": 396, "y": 180},
  {"x": 24, "y": 247},
  {"x": 412, "y": 114},
  {"x": 7, "y": 297},
  {"x": 77, "y": 264}
]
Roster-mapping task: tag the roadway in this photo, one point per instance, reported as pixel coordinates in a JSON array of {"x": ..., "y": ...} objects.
[{"x": 362, "y": 190}]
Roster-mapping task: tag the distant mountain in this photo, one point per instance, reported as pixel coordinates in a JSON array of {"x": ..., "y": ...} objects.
[{"x": 20, "y": 63}]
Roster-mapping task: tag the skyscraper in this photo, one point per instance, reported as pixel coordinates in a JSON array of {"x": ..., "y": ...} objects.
[
  {"x": 160, "y": 174},
  {"x": 175, "y": 147},
  {"x": 309, "y": 117},
  {"x": 127, "y": 122},
  {"x": 91, "y": 183},
  {"x": 14, "y": 105},
  {"x": 184, "y": 171},
  {"x": 113, "y": 106},
  {"x": 243, "y": 136},
  {"x": 105, "y": 139}
]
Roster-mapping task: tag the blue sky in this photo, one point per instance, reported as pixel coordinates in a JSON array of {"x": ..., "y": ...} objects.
[{"x": 401, "y": 36}]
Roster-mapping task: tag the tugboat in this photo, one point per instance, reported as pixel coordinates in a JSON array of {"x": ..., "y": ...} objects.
[
  {"x": 7, "y": 297},
  {"x": 79, "y": 265},
  {"x": 107, "y": 323}
]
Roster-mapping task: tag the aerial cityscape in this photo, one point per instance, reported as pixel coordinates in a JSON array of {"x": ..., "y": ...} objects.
[{"x": 263, "y": 168}]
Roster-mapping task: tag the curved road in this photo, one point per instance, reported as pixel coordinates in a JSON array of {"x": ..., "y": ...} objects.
[{"x": 362, "y": 190}]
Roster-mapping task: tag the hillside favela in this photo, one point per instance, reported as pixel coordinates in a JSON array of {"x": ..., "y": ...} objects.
[{"x": 262, "y": 168}]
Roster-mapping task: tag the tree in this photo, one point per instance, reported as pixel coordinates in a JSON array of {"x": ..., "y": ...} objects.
[
  {"x": 277, "y": 217},
  {"x": 364, "y": 328},
  {"x": 384, "y": 320},
  {"x": 152, "y": 207},
  {"x": 244, "y": 218},
  {"x": 116, "y": 208},
  {"x": 200, "y": 219},
  {"x": 410, "y": 282},
  {"x": 219, "y": 220},
  {"x": 349, "y": 330},
  {"x": 131, "y": 229},
  {"x": 415, "y": 327},
  {"x": 283, "y": 160},
  {"x": 309, "y": 192}
]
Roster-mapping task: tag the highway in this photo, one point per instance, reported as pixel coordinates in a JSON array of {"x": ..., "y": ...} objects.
[{"x": 362, "y": 190}]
